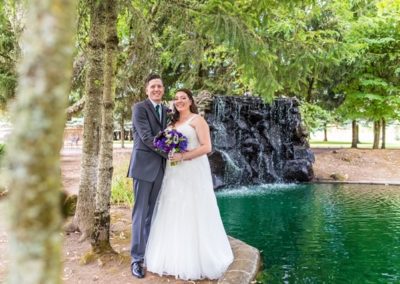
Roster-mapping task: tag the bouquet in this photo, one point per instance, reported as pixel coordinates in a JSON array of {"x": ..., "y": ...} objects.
[{"x": 170, "y": 141}]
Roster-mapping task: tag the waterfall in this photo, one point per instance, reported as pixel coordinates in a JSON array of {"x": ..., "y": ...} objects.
[
  {"x": 255, "y": 142},
  {"x": 233, "y": 172}
]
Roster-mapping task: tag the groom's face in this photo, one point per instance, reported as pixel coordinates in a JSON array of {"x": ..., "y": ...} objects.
[{"x": 155, "y": 90}]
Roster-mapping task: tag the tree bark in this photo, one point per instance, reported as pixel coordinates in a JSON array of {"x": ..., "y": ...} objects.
[
  {"x": 75, "y": 108},
  {"x": 310, "y": 87},
  {"x": 33, "y": 161},
  {"x": 377, "y": 130},
  {"x": 354, "y": 136},
  {"x": 383, "y": 146},
  {"x": 100, "y": 238},
  {"x": 84, "y": 215},
  {"x": 358, "y": 133},
  {"x": 325, "y": 133},
  {"x": 122, "y": 131}
]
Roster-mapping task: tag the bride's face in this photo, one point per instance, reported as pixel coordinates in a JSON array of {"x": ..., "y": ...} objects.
[{"x": 182, "y": 102}]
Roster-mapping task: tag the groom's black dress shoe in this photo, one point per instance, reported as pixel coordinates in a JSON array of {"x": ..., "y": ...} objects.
[{"x": 137, "y": 270}]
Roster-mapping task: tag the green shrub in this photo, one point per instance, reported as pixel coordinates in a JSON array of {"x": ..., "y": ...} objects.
[
  {"x": 121, "y": 187},
  {"x": 121, "y": 191}
]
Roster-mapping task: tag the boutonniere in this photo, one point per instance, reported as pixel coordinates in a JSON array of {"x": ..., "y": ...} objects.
[{"x": 169, "y": 112}]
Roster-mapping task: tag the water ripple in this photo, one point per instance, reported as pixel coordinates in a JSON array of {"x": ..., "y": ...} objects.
[{"x": 319, "y": 233}]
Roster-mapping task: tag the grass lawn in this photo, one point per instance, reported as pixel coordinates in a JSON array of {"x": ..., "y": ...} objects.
[{"x": 345, "y": 144}]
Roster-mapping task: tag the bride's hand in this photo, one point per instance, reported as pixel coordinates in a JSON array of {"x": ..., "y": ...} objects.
[{"x": 176, "y": 157}]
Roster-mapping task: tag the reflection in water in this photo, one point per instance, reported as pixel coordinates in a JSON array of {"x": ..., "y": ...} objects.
[{"x": 319, "y": 233}]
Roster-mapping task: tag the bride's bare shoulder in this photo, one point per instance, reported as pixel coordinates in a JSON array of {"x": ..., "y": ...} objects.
[
  {"x": 198, "y": 118},
  {"x": 199, "y": 121}
]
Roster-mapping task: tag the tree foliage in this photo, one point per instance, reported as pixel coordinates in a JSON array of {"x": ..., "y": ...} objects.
[
  {"x": 326, "y": 53},
  {"x": 372, "y": 87},
  {"x": 8, "y": 58}
]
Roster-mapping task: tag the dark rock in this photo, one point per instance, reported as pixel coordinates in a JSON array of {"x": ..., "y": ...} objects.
[
  {"x": 251, "y": 142},
  {"x": 289, "y": 151},
  {"x": 247, "y": 150},
  {"x": 301, "y": 152},
  {"x": 255, "y": 116},
  {"x": 242, "y": 125},
  {"x": 217, "y": 163},
  {"x": 295, "y": 102},
  {"x": 217, "y": 182},
  {"x": 256, "y": 143},
  {"x": 298, "y": 171}
]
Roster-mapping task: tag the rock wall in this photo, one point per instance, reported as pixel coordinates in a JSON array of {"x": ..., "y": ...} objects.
[{"x": 256, "y": 143}]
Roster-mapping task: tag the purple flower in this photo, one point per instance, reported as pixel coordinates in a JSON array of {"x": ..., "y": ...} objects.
[
  {"x": 170, "y": 115},
  {"x": 170, "y": 141}
]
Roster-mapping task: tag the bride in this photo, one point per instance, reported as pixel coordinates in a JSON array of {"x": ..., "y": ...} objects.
[{"x": 187, "y": 238}]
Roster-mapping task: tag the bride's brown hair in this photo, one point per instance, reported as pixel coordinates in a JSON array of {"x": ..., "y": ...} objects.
[{"x": 193, "y": 107}]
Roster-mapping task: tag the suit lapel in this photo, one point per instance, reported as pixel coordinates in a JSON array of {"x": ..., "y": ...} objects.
[
  {"x": 153, "y": 110},
  {"x": 164, "y": 116}
]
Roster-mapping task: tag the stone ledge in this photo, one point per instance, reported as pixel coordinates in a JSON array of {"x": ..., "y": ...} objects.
[
  {"x": 367, "y": 182},
  {"x": 245, "y": 265},
  {"x": 243, "y": 269}
]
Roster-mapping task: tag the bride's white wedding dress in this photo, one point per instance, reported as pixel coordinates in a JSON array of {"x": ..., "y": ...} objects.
[{"x": 187, "y": 238}]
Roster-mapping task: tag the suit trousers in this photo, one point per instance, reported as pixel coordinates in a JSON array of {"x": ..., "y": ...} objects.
[{"x": 146, "y": 194}]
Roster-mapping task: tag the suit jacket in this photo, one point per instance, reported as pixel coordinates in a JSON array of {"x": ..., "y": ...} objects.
[{"x": 145, "y": 160}]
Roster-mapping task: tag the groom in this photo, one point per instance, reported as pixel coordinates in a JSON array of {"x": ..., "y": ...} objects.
[{"x": 146, "y": 167}]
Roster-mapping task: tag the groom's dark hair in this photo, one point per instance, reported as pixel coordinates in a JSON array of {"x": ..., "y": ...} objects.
[{"x": 152, "y": 77}]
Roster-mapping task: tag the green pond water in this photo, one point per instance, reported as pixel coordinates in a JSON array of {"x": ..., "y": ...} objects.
[{"x": 318, "y": 233}]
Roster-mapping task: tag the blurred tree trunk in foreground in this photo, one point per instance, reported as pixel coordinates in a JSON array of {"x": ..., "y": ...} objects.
[{"x": 33, "y": 162}]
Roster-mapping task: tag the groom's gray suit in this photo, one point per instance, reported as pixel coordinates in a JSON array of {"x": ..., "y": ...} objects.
[{"x": 147, "y": 169}]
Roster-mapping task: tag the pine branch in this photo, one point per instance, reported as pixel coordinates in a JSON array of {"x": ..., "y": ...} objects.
[{"x": 5, "y": 56}]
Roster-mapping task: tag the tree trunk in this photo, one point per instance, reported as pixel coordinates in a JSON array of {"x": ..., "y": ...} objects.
[
  {"x": 325, "y": 133},
  {"x": 100, "y": 239},
  {"x": 383, "y": 146},
  {"x": 122, "y": 131},
  {"x": 33, "y": 161},
  {"x": 377, "y": 128},
  {"x": 84, "y": 215},
  {"x": 358, "y": 133},
  {"x": 310, "y": 87},
  {"x": 354, "y": 134}
]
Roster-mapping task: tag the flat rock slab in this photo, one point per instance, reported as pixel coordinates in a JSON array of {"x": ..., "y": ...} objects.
[{"x": 242, "y": 270}]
